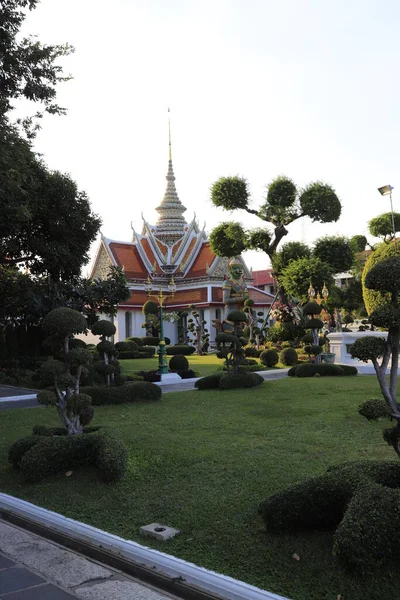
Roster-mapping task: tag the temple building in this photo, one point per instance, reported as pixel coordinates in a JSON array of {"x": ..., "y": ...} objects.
[{"x": 171, "y": 248}]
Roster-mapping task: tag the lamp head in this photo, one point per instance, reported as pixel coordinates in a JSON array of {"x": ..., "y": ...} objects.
[{"x": 385, "y": 190}]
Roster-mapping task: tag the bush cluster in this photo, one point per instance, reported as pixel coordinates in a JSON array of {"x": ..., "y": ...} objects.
[
  {"x": 149, "y": 340},
  {"x": 288, "y": 357},
  {"x": 39, "y": 456},
  {"x": 374, "y": 409},
  {"x": 324, "y": 369},
  {"x": 252, "y": 352},
  {"x": 143, "y": 352},
  {"x": 184, "y": 350},
  {"x": 361, "y": 499},
  {"x": 225, "y": 381},
  {"x": 269, "y": 358},
  {"x": 135, "y": 391}
]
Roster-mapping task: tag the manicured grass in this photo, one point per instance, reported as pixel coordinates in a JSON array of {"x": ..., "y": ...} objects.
[
  {"x": 202, "y": 462},
  {"x": 206, "y": 365}
]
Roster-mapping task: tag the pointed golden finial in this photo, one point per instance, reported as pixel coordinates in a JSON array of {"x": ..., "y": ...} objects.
[{"x": 169, "y": 135}]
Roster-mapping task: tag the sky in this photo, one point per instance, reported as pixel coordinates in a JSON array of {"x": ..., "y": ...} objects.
[{"x": 256, "y": 88}]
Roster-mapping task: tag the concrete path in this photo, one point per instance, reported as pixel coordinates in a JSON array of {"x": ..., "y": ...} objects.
[{"x": 32, "y": 568}]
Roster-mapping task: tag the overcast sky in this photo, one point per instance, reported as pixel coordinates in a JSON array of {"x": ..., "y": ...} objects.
[{"x": 259, "y": 88}]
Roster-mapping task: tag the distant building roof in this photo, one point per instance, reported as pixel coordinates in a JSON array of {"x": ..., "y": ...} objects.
[{"x": 263, "y": 277}]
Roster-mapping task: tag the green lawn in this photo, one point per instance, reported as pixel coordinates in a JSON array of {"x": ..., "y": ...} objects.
[
  {"x": 206, "y": 365},
  {"x": 202, "y": 462}
]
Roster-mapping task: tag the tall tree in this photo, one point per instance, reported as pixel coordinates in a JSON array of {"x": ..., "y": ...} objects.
[
  {"x": 283, "y": 204},
  {"x": 382, "y": 226}
]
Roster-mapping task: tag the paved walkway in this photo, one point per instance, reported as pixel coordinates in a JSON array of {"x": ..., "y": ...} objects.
[{"x": 32, "y": 568}]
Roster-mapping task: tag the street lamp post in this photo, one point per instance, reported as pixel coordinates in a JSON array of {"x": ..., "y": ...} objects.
[
  {"x": 161, "y": 297},
  {"x": 386, "y": 190},
  {"x": 318, "y": 299}
]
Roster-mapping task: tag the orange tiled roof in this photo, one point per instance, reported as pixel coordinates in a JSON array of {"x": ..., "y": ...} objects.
[
  {"x": 176, "y": 247},
  {"x": 149, "y": 253},
  {"x": 127, "y": 256},
  {"x": 181, "y": 298},
  {"x": 204, "y": 257},
  {"x": 263, "y": 277},
  {"x": 188, "y": 251}
]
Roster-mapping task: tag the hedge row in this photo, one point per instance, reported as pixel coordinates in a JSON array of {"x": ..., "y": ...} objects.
[
  {"x": 135, "y": 391},
  {"x": 143, "y": 352},
  {"x": 184, "y": 350},
  {"x": 361, "y": 499},
  {"x": 324, "y": 369},
  {"x": 225, "y": 381},
  {"x": 39, "y": 456}
]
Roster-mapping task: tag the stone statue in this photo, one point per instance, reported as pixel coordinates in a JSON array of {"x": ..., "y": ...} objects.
[{"x": 234, "y": 289}]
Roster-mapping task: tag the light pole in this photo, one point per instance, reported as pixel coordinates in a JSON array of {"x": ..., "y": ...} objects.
[
  {"x": 161, "y": 297},
  {"x": 386, "y": 190},
  {"x": 318, "y": 299}
]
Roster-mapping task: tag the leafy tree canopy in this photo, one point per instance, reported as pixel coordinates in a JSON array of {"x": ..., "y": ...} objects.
[
  {"x": 374, "y": 298},
  {"x": 297, "y": 276},
  {"x": 282, "y": 205},
  {"x": 288, "y": 253},
  {"x": 382, "y": 226},
  {"x": 336, "y": 251},
  {"x": 358, "y": 243}
]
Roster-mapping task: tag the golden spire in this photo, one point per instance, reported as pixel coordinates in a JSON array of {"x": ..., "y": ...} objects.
[{"x": 169, "y": 135}]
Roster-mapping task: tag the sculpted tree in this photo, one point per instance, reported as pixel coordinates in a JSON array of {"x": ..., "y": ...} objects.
[
  {"x": 384, "y": 277},
  {"x": 197, "y": 328},
  {"x": 382, "y": 226},
  {"x": 67, "y": 362},
  {"x": 283, "y": 204}
]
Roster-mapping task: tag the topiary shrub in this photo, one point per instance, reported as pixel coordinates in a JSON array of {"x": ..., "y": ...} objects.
[
  {"x": 149, "y": 340},
  {"x": 292, "y": 371},
  {"x": 188, "y": 374},
  {"x": 147, "y": 350},
  {"x": 48, "y": 455},
  {"x": 311, "y": 369},
  {"x": 136, "y": 340},
  {"x": 374, "y": 409},
  {"x": 240, "y": 380},
  {"x": 314, "y": 324},
  {"x": 361, "y": 499},
  {"x": 348, "y": 369},
  {"x": 288, "y": 357},
  {"x": 178, "y": 363},
  {"x": 269, "y": 358},
  {"x": 374, "y": 298},
  {"x": 104, "y": 328},
  {"x": 210, "y": 382},
  {"x": 126, "y": 346},
  {"x": 184, "y": 350},
  {"x": 135, "y": 391},
  {"x": 252, "y": 352}
]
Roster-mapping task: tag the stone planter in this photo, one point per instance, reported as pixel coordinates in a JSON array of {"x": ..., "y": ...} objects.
[{"x": 328, "y": 357}]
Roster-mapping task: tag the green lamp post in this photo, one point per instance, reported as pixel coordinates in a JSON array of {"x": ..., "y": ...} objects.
[{"x": 161, "y": 297}]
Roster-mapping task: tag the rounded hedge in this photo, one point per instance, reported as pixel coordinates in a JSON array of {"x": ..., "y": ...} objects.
[
  {"x": 150, "y": 308},
  {"x": 210, "y": 382},
  {"x": 374, "y": 409},
  {"x": 104, "y": 328},
  {"x": 154, "y": 340},
  {"x": 184, "y": 350},
  {"x": 135, "y": 391},
  {"x": 308, "y": 338},
  {"x": 288, "y": 357},
  {"x": 372, "y": 298},
  {"x": 64, "y": 322},
  {"x": 237, "y": 316},
  {"x": 325, "y": 369},
  {"x": 269, "y": 358},
  {"x": 252, "y": 352},
  {"x": 105, "y": 346},
  {"x": 312, "y": 308},
  {"x": 179, "y": 362},
  {"x": 314, "y": 324},
  {"x": 240, "y": 380},
  {"x": 137, "y": 340}
]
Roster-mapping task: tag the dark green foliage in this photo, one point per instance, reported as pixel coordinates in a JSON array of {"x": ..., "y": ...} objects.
[
  {"x": 179, "y": 363},
  {"x": 292, "y": 371},
  {"x": 185, "y": 350},
  {"x": 358, "y": 243},
  {"x": 48, "y": 455},
  {"x": 76, "y": 343},
  {"x": 135, "y": 391},
  {"x": 211, "y": 382},
  {"x": 382, "y": 226},
  {"x": 228, "y": 239},
  {"x": 288, "y": 357},
  {"x": 385, "y": 316},
  {"x": 374, "y": 409},
  {"x": 230, "y": 193},
  {"x": 259, "y": 239},
  {"x": 149, "y": 340},
  {"x": 311, "y": 369},
  {"x": 252, "y": 352},
  {"x": 148, "y": 350},
  {"x": 269, "y": 358},
  {"x": 47, "y": 398},
  {"x": 134, "y": 354},
  {"x": 282, "y": 192},
  {"x": 312, "y": 308},
  {"x": 150, "y": 308},
  {"x": 314, "y": 324},
  {"x": 280, "y": 332},
  {"x": 104, "y": 328},
  {"x": 308, "y": 338},
  {"x": 136, "y": 340},
  {"x": 319, "y": 202},
  {"x": 368, "y": 348},
  {"x": 240, "y": 380},
  {"x": 20, "y": 448},
  {"x": 349, "y": 370},
  {"x": 64, "y": 322},
  {"x": 336, "y": 251},
  {"x": 360, "y": 498},
  {"x": 384, "y": 276},
  {"x": 313, "y": 349},
  {"x": 105, "y": 347},
  {"x": 237, "y": 316},
  {"x": 126, "y": 347}
]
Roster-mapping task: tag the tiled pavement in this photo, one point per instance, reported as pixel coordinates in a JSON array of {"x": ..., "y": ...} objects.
[{"x": 32, "y": 568}]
